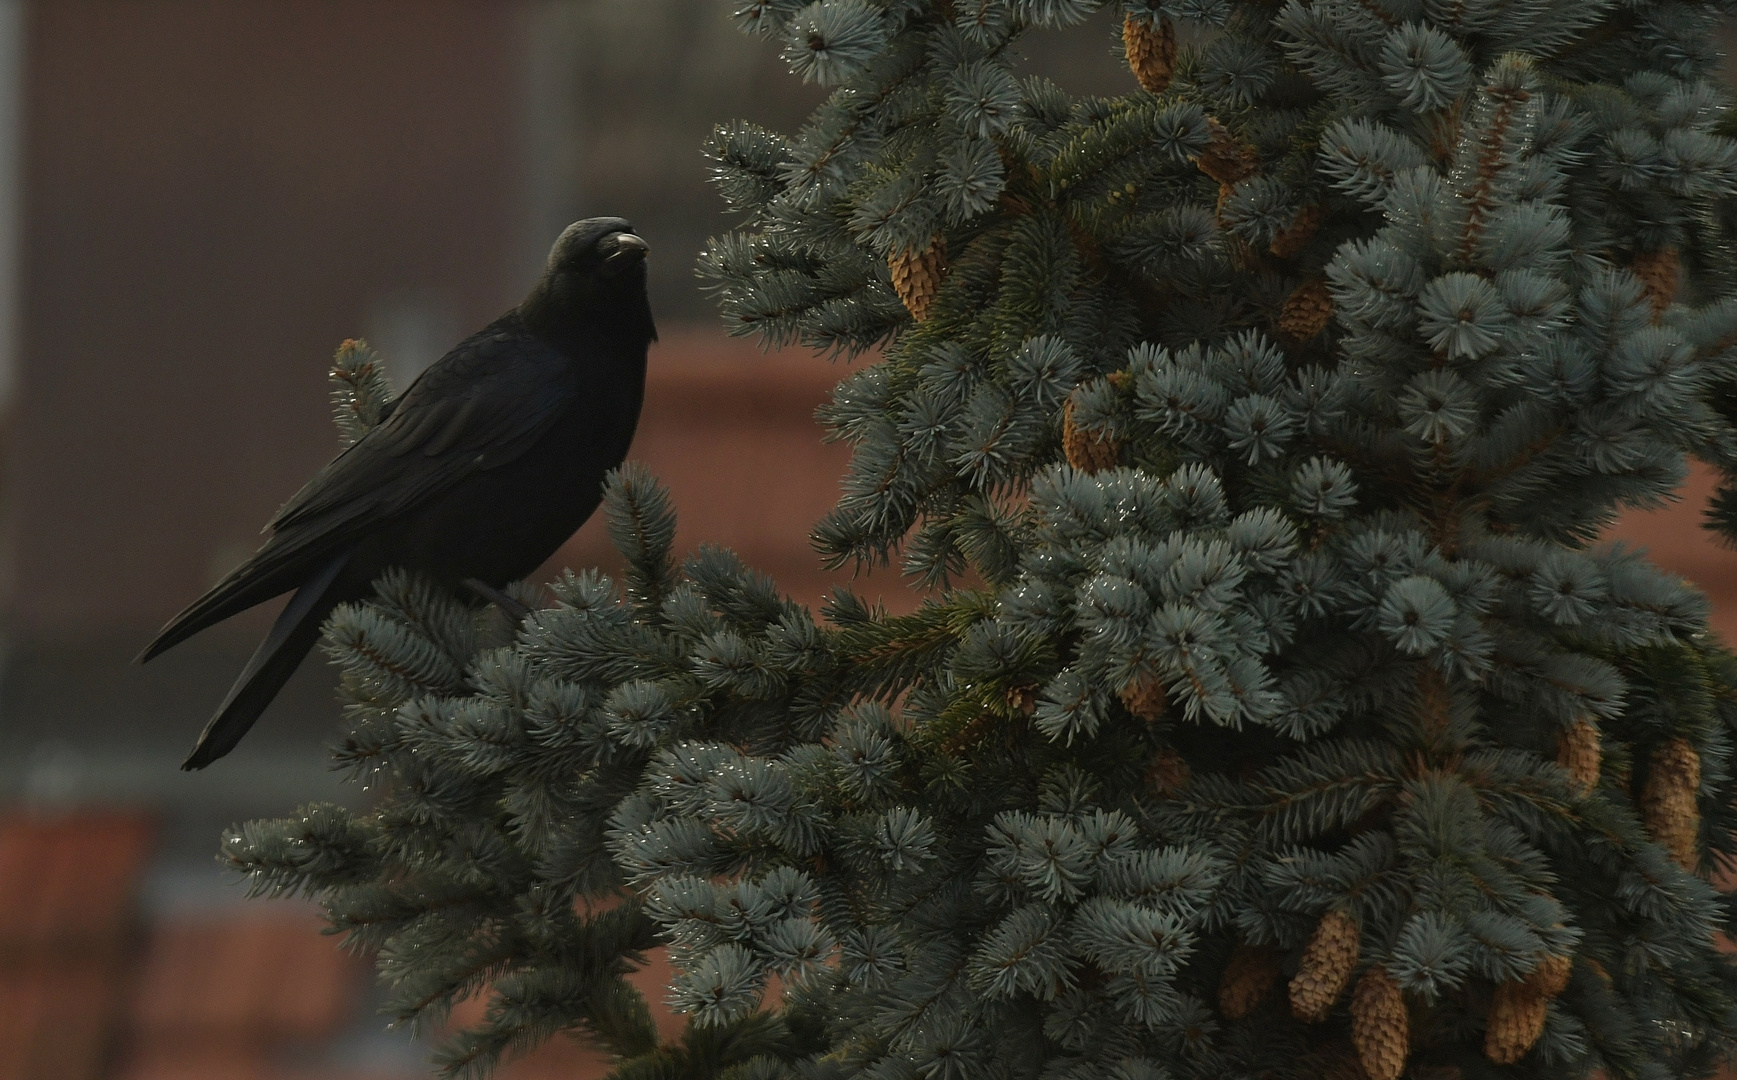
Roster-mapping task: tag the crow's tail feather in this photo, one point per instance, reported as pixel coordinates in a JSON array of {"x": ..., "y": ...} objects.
[
  {"x": 292, "y": 636},
  {"x": 286, "y": 561}
]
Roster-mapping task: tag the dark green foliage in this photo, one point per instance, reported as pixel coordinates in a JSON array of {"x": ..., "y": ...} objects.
[{"x": 1314, "y": 622}]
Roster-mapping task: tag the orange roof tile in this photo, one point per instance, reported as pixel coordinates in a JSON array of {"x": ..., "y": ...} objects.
[
  {"x": 196, "y": 1063},
  {"x": 56, "y": 1021},
  {"x": 263, "y": 977},
  {"x": 67, "y": 881},
  {"x": 67, "y": 884}
]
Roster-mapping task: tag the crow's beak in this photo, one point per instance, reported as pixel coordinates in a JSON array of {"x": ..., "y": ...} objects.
[{"x": 628, "y": 248}]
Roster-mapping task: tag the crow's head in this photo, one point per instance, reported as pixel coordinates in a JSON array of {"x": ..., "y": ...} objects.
[
  {"x": 594, "y": 280},
  {"x": 600, "y": 248}
]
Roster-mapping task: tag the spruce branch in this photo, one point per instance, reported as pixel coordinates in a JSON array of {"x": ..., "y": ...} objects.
[{"x": 361, "y": 394}]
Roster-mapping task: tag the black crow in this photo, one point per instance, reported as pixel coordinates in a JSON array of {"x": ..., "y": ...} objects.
[{"x": 474, "y": 476}]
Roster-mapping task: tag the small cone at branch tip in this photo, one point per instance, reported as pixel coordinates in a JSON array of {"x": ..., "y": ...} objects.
[
  {"x": 1668, "y": 805},
  {"x": 1660, "y": 273},
  {"x": 1087, "y": 450},
  {"x": 1326, "y": 967},
  {"x": 1247, "y": 979},
  {"x": 1226, "y": 159},
  {"x": 1144, "y": 697},
  {"x": 1168, "y": 776},
  {"x": 1306, "y": 312},
  {"x": 1380, "y": 1026},
  {"x": 917, "y": 275},
  {"x": 1151, "y": 51},
  {"x": 1516, "y": 1020},
  {"x": 1288, "y": 244},
  {"x": 1580, "y": 753}
]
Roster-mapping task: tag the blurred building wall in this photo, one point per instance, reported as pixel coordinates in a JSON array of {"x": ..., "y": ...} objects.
[{"x": 217, "y": 193}]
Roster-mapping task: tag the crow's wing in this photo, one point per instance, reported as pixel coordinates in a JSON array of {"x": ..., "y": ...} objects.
[{"x": 480, "y": 406}]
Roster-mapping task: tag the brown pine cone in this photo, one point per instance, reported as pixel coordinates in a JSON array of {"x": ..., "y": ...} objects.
[
  {"x": 1144, "y": 697},
  {"x": 1380, "y": 1027},
  {"x": 1326, "y": 967},
  {"x": 1306, "y": 312},
  {"x": 1660, "y": 272},
  {"x": 1247, "y": 979},
  {"x": 1516, "y": 1020},
  {"x": 1151, "y": 51},
  {"x": 1225, "y": 159},
  {"x": 1292, "y": 237},
  {"x": 917, "y": 275},
  {"x": 1087, "y": 450},
  {"x": 1579, "y": 752},
  {"x": 1167, "y": 775},
  {"x": 1668, "y": 803},
  {"x": 1550, "y": 977},
  {"x": 1335, "y": 1060}
]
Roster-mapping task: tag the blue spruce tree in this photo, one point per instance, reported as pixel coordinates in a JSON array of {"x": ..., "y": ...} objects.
[{"x": 1274, "y": 711}]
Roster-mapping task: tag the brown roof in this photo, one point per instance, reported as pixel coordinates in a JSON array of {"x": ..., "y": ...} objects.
[
  {"x": 57, "y": 1020},
  {"x": 67, "y": 887},
  {"x": 67, "y": 880},
  {"x": 256, "y": 977}
]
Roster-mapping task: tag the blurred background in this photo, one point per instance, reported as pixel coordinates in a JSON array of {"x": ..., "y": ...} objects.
[{"x": 198, "y": 200}]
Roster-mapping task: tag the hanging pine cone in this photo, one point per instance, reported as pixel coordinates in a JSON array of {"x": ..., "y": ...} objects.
[
  {"x": 1325, "y": 968},
  {"x": 1151, "y": 51},
  {"x": 1380, "y": 1027},
  {"x": 1225, "y": 191},
  {"x": 1168, "y": 774},
  {"x": 1516, "y": 1020},
  {"x": 1335, "y": 1060},
  {"x": 1579, "y": 752},
  {"x": 1087, "y": 450},
  {"x": 1668, "y": 803},
  {"x": 1660, "y": 272},
  {"x": 1144, "y": 697},
  {"x": 917, "y": 275},
  {"x": 1226, "y": 159},
  {"x": 1289, "y": 243},
  {"x": 1306, "y": 312},
  {"x": 1550, "y": 977},
  {"x": 1247, "y": 979}
]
